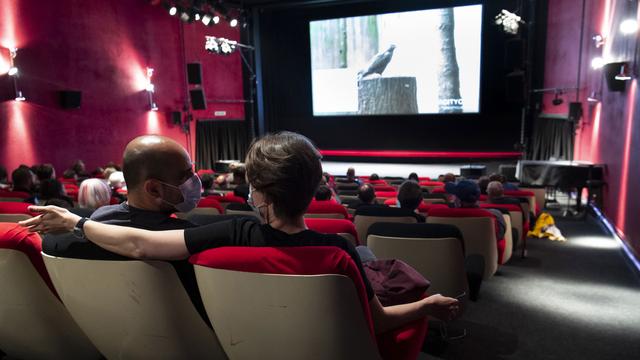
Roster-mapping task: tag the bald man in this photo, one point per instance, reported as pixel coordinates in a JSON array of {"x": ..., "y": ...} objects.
[{"x": 160, "y": 181}]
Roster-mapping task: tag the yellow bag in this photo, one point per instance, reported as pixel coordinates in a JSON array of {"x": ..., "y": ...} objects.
[{"x": 546, "y": 227}]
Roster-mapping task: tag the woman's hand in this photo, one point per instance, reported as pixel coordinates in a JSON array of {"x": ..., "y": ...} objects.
[
  {"x": 442, "y": 307},
  {"x": 52, "y": 219}
]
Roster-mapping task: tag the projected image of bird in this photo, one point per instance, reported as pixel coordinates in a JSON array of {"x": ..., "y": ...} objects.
[{"x": 377, "y": 64}]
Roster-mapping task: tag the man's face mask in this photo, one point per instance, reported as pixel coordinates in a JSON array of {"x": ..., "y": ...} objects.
[{"x": 191, "y": 191}]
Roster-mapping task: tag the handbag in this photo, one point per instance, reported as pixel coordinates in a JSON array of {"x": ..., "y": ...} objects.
[{"x": 395, "y": 282}]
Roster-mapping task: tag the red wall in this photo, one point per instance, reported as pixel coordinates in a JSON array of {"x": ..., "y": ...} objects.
[
  {"x": 609, "y": 131},
  {"x": 102, "y": 48}
]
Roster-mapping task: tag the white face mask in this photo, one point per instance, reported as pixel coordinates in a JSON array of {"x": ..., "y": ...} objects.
[
  {"x": 191, "y": 191},
  {"x": 254, "y": 207}
]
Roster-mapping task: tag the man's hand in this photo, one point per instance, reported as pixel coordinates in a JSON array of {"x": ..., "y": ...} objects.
[
  {"x": 442, "y": 307},
  {"x": 52, "y": 219}
]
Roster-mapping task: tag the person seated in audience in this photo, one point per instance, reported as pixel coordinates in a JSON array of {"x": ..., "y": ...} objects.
[
  {"x": 351, "y": 177},
  {"x": 503, "y": 180},
  {"x": 324, "y": 181},
  {"x": 118, "y": 184},
  {"x": 98, "y": 173},
  {"x": 374, "y": 177},
  {"x": 108, "y": 171},
  {"x": 112, "y": 164},
  {"x": 410, "y": 197},
  {"x": 323, "y": 193},
  {"x": 366, "y": 197},
  {"x": 495, "y": 195},
  {"x": 448, "y": 178},
  {"x": 483, "y": 182},
  {"x": 284, "y": 171},
  {"x": 70, "y": 174},
  {"x": 413, "y": 176},
  {"x": 22, "y": 180},
  {"x": 207, "y": 185},
  {"x": 239, "y": 181},
  {"x": 467, "y": 195},
  {"x": 81, "y": 171},
  {"x": 45, "y": 172},
  {"x": 93, "y": 194},
  {"x": 53, "y": 189}
]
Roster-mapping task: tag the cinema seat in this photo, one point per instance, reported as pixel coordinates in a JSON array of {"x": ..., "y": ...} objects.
[
  {"x": 384, "y": 188},
  {"x": 14, "y": 211},
  {"x": 207, "y": 206},
  {"x": 133, "y": 309},
  {"x": 13, "y": 196},
  {"x": 430, "y": 185},
  {"x": 326, "y": 209},
  {"x": 382, "y": 196},
  {"x": 479, "y": 232},
  {"x": 517, "y": 220},
  {"x": 312, "y": 305},
  {"x": 229, "y": 198},
  {"x": 540, "y": 195},
  {"x": 34, "y": 324},
  {"x": 239, "y": 209},
  {"x": 344, "y": 228},
  {"x": 367, "y": 216},
  {"x": 529, "y": 195},
  {"x": 434, "y": 250},
  {"x": 376, "y": 182}
]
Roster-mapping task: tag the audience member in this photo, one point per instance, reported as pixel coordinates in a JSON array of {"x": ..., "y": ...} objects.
[
  {"x": 503, "y": 180},
  {"x": 374, "y": 177},
  {"x": 79, "y": 168},
  {"x": 483, "y": 181},
  {"x": 98, "y": 173},
  {"x": 323, "y": 193},
  {"x": 413, "y": 176},
  {"x": 366, "y": 196},
  {"x": 53, "y": 189},
  {"x": 495, "y": 195},
  {"x": 70, "y": 174},
  {"x": 45, "y": 172},
  {"x": 113, "y": 165},
  {"x": 108, "y": 171},
  {"x": 449, "y": 178},
  {"x": 207, "y": 184},
  {"x": 467, "y": 195},
  {"x": 22, "y": 180},
  {"x": 284, "y": 171},
  {"x": 93, "y": 194},
  {"x": 410, "y": 197}
]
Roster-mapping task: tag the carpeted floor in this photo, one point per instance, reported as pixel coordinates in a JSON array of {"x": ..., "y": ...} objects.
[{"x": 577, "y": 299}]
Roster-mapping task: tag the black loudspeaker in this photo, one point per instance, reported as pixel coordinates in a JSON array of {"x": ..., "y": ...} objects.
[
  {"x": 473, "y": 171},
  {"x": 575, "y": 111},
  {"x": 194, "y": 73},
  {"x": 198, "y": 101},
  {"x": 515, "y": 87},
  {"x": 70, "y": 99},
  {"x": 610, "y": 72},
  {"x": 176, "y": 117}
]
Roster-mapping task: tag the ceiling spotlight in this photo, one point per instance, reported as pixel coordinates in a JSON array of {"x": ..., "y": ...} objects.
[
  {"x": 154, "y": 106},
  {"x": 597, "y": 62},
  {"x": 216, "y": 19},
  {"x": 629, "y": 26},
  {"x": 220, "y": 46},
  {"x": 206, "y": 19},
  {"x": 173, "y": 10},
  {"x": 233, "y": 22},
  {"x": 509, "y": 21},
  {"x": 19, "y": 96},
  {"x": 598, "y": 40},
  {"x": 593, "y": 98},
  {"x": 184, "y": 16},
  {"x": 13, "y": 71},
  {"x": 197, "y": 17},
  {"x": 624, "y": 74}
]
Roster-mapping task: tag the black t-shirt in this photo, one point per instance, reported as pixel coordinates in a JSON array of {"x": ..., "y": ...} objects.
[{"x": 248, "y": 232}]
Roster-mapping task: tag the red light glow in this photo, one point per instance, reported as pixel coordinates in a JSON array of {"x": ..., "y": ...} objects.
[{"x": 624, "y": 175}]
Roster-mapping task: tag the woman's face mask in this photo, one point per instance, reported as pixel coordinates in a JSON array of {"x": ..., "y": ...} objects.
[{"x": 256, "y": 207}]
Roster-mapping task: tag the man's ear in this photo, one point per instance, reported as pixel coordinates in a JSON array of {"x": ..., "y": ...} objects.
[{"x": 153, "y": 188}]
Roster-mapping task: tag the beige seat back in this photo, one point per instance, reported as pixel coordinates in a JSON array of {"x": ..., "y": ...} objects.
[
  {"x": 517, "y": 223},
  {"x": 294, "y": 317},
  {"x": 540, "y": 195},
  {"x": 363, "y": 222},
  {"x": 479, "y": 238},
  {"x": 14, "y": 218},
  {"x": 239, "y": 212},
  {"x": 133, "y": 309},
  {"x": 199, "y": 211},
  {"x": 441, "y": 260},
  {"x": 508, "y": 237},
  {"x": 33, "y": 322}
]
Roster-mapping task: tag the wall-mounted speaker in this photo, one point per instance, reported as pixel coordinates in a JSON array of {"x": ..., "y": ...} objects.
[
  {"x": 194, "y": 73},
  {"x": 176, "y": 117},
  {"x": 70, "y": 99},
  {"x": 198, "y": 100},
  {"x": 575, "y": 111}
]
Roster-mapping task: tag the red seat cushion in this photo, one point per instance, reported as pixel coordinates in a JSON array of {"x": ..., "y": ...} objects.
[
  {"x": 14, "y": 194},
  {"x": 431, "y": 183},
  {"x": 204, "y": 171},
  {"x": 376, "y": 182},
  {"x": 332, "y": 226},
  {"x": 230, "y": 198},
  {"x": 16, "y": 237},
  {"x": 438, "y": 190},
  {"x": 402, "y": 343},
  {"x": 386, "y": 194},
  {"x": 383, "y": 188},
  {"x": 211, "y": 202},
  {"x": 327, "y": 207},
  {"x": 9, "y": 207}
]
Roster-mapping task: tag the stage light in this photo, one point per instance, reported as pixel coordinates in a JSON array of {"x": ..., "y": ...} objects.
[
  {"x": 509, "y": 21},
  {"x": 206, "y": 19},
  {"x": 233, "y": 22},
  {"x": 184, "y": 16},
  {"x": 13, "y": 71},
  {"x": 220, "y": 46},
  {"x": 216, "y": 19},
  {"x": 154, "y": 106},
  {"x": 19, "y": 96},
  {"x": 629, "y": 26},
  {"x": 557, "y": 100},
  {"x": 624, "y": 73},
  {"x": 597, "y": 62},
  {"x": 197, "y": 17},
  {"x": 150, "y": 88},
  {"x": 598, "y": 40},
  {"x": 173, "y": 11},
  {"x": 593, "y": 98}
]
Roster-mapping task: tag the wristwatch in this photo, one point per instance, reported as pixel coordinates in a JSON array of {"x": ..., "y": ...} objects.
[{"x": 78, "y": 230}]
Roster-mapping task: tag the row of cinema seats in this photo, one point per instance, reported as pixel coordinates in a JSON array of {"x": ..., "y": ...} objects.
[{"x": 134, "y": 309}]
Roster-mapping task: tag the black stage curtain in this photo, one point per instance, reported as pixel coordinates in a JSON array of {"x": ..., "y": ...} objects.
[
  {"x": 552, "y": 138},
  {"x": 220, "y": 140}
]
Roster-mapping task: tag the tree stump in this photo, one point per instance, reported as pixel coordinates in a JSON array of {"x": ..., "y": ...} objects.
[{"x": 387, "y": 95}]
